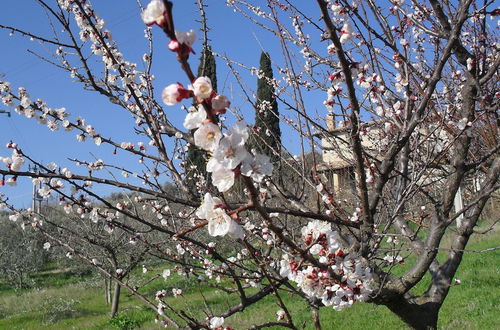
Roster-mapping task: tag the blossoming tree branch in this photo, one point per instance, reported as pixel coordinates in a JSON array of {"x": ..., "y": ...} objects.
[{"x": 399, "y": 153}]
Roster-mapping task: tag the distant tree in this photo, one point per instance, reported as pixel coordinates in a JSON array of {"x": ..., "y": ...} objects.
[
  {"x": 110, "y": 247},
  {"x": 196, "y": 157},
  {"x": 267, "y": 122},
  {"x": 21, "y": 253},
  {"x": 208, "y": 67}
]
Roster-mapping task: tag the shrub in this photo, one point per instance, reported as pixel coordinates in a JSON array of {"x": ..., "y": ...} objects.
[{"x": 55, "y": 310}]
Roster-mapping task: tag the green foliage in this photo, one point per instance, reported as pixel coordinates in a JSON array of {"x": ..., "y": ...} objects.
[
  {"x": 207, "y": 67},
  {"x": 268, "y": 139},
  {"x": 130, "y": 319},
  {"x": 196, "y": 167}
]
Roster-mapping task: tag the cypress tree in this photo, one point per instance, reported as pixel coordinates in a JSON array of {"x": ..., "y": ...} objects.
[
  {"x": 268, "y": 139},
  {"x": 207, "y": 66},
  {"x": 196, "y": 158}
]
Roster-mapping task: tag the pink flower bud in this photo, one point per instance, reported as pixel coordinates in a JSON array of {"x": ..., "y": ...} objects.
[
  {"x": 174, "y": 45},
  {"x": 174, "y": 93}
]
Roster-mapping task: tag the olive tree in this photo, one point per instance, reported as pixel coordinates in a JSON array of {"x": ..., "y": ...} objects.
[{"x": 21, "y": 253}]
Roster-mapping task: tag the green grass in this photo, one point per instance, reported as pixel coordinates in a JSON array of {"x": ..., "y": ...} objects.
[
  {"x": 72, "y": 306},
  {"x": 65, "y": 301},
  {"x": 475, "y": 303}
]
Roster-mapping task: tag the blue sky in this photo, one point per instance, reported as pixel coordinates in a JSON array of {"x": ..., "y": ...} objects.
[{"x": 230, "y": 34}]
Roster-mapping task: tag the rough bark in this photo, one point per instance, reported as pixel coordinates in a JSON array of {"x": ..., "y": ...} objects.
[{"x": 116, "y": 300}]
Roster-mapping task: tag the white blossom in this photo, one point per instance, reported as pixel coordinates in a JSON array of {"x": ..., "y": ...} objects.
[
  {"x": 230, "y": 152},
  {"x": 195, "y": 117},
  {"x": 222, "y": 177},
  {"x": 207, "y": 136},
  {"x": 165, "y": 274},
  {"x": 280, "y": 315},
  {"x": 346, "y": 32},
  {"x": 219, "y": 222},
  {"x": 216, "y": 322},
  {"x": 187, "y": 38},
  {"x": 154, "y": 13},
  {"x": 220, "y": 103},
  {"x": 257, "y": 167},
  {"x": 202, "y": 88}
]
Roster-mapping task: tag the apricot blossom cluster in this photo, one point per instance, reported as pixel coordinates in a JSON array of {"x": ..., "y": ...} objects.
[
  {"x": 229, "y": 155},
  {"x": 343, "y": 279}
]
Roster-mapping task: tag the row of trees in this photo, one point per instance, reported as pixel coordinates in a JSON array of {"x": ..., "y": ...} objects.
[
  {"x": 27, "y": 253},
  {"x": 426, "y": 72}
]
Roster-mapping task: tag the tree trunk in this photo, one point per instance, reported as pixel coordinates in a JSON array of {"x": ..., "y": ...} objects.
[
  {"x": 315, "y": 316},
  {"x": 416, "y": 316},
  {"x": 116, "y": 300},
  {"x": 107, "y": 295},
  {"x": 110, "y": 288}
]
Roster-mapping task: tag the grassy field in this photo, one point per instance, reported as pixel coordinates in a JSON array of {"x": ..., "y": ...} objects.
[{"x": 65, "y": 301}]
